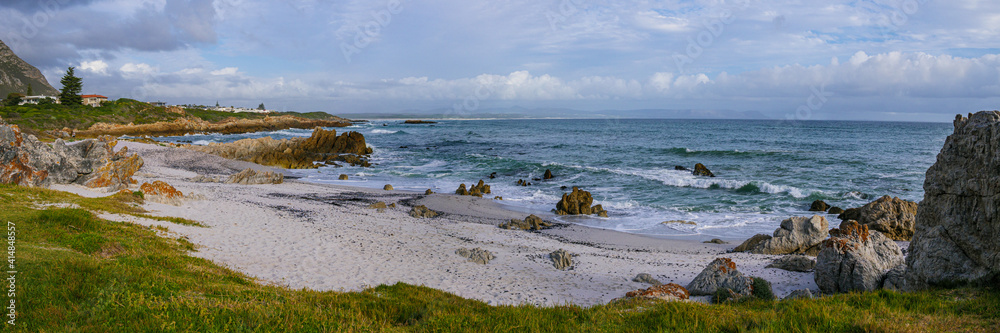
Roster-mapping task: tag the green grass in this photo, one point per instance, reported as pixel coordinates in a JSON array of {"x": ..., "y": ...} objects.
[{"x": 78, "y": 273}]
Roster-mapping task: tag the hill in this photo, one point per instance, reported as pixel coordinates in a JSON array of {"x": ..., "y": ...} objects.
[{"x": 16, "y": 75}]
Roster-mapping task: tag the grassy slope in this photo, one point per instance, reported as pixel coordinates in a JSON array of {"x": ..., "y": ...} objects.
[
  {"x": 80, "y": 273},
  {"x": 37, "y": 118}
]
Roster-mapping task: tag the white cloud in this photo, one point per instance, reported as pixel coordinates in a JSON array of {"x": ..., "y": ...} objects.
[
  {"x": 137, "y": 70},
  {"x": 97, "y": 67},
  {"x": 226, "y": 71}
]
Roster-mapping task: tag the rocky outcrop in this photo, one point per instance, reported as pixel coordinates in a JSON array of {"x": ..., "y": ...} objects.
[
  {"x": 670, "y": 292},
  {"x": 531, "y": 222},
  {"x": 476, "y": 255},
  {"x": 422, "y": 212},
  {"x": 646, "y": 278},
  {"x": 715, "y": 241},
  {"x": 428, "y": 192},
  {"x": 343, "y": 177},
  {"x": 323, "y": 147},
  {"x": 548, "y": 174},
  {"x": 835, "y": 210},
  {"x": 387, "y": 187},
  {"x": 522, "y": 182},
  {"x": 796, "y": 235},
  {"x": 895, "y": 278},
  {"x": 721, "y": 273},
  {"x": 751, "y": 242},
  {"x": 850, "y": 214},
  {"x": 856, "y": 260},
  {"x": 194, "y": 125},
  {"x": 793, "y": 262},
  {"x": 701, "y": 170},
  {"x": 160, "y": 191},
  {"x": 578, "y": 203},
  {"x": 253, "y": 177},
  {"x": 561, "y": 259},
  {"x": 28, "y": 162},
  {"x": 893, "y": 217},
  {"x": 818, "y": 206},
  {"x": 958, "y": 221},
  {"x": 477, "y": 191}
]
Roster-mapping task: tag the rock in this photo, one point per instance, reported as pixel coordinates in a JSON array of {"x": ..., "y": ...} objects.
[
  {"x": 561, "y": 259},
  {"x": 957, "y": 223},
  {"x": 670, "y": 292},
  {"x": 498, "y": 198},
  {"x": 422, "y": 212},
  {"x": 478, "y": 190},
  {"x": 835, "y": 210},
  {"x": 428, "y": 192},
  {"x": 323, "y": 147},
  {"x": 493, "y": 175},
  {"x": 251, "y": 177},
  {"x": 800, "y": 293},
  {"x": 161, "y": 192},
  {"x": 343, "y": 177},
  {"x": 895, "y": 278},
  {"x": 796, "y": 235},
  {"x": 419, "y": 122},
  {"x": 378, "y": 205},
  {"x": 850, "y": 214},
  {"x": 531, "y": 222},
  {"x": 794, "y": 262},
  {"x": 392, "y": 205},
  {"x": 548, "y": 174},
  {"x": 715, "y": 241},
  {"x": 578, "y": 203},
  {"x": 646, "y": 278},
  {"x": 204, "y": 179},
  {"x": 720, "y": 273},
  {"x": 476, "y": 255},
  {"x": 116, "y": 173},
  {"x": 893, "y": 217},
  {"x": 521, "y": 182},
  {"x": 701, "y": 170},
  {"x": 818, "y": 206},
  {"x": 387, "y": 187},
  {"x": 751, "y": 242},
  {"x": 857, "y": 260},
  {"x": 681, "y": 168}
]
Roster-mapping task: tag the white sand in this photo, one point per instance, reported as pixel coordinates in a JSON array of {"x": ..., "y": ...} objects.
[{"x": 322, "y": 237}]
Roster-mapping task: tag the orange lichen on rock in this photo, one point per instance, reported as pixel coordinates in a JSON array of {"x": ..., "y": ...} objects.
[
  {"x": 160, "y": 188},
  {"x": 116, "y": 172},
  {"x": 726, "y": 265}
]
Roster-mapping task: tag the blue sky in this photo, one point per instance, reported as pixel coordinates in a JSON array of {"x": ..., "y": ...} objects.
[{"x": 914, "y": 60}]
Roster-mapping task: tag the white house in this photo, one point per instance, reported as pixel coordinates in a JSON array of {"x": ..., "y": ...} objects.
[
  {"x": 94, "y": 100},
  {"x": 36, "y": 99}
]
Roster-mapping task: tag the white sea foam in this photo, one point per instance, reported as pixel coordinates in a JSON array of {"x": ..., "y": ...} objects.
[{"x": 382, "y": 131}]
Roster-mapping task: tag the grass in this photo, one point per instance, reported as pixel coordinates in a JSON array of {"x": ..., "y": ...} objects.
[
  {"x": 35, "y": 119},
  {"x": 78, "y": 273}
]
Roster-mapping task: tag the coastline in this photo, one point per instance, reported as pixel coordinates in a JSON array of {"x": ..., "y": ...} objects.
[{"x": 323, "y": 237}]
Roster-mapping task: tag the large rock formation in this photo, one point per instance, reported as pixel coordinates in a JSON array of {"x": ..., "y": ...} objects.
[
  {"x": 297, "y": 153},
  {"x": 958, "y": 222},
  {"x": 531, "y": 222},
  {"x": 477, "y": 191},
  {"x": 721, "y": 273},
  {"x": 16, "y": 75},
  {"x": 578, "y": 203},
  {"x": 28, "y": 162},
  {"x": 893, "y": 217},
  {"x": 796, "y": 235},
  {"x": 856, "y": 260}
]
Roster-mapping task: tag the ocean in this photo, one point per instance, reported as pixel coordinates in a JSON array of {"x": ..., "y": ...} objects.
[{"x": 766, "y": 170}]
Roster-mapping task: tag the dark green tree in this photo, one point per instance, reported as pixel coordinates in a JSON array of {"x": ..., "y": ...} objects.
[
  {"x": 13, "y": 99},
  {"x": 31, "y": 91},
  {"x": 261, "y": 107},
  {"x": 72, "y": 86}
]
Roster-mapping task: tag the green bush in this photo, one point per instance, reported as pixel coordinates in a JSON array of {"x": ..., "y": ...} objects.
[{"x": 762, "y": 289}]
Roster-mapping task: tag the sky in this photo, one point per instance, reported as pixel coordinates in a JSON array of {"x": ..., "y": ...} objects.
[{"x": 906, "y": 60}]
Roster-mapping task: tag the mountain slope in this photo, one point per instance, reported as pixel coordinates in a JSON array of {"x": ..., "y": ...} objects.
[{"x": 15, "y": 75}]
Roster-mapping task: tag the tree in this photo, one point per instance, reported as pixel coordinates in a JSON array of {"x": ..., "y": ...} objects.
[
  {"x": 13, "y": 99},
  {"x": 31, "y": 91},
  {"x": 261, "y": 107},
  {"x": 72, "y": 86}
]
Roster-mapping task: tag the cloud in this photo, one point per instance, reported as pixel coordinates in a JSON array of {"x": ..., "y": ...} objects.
[
  {"x": 226, "y": 71},
  {"x": 98, "y": 67},
  {"x": 137, "y": 70}
]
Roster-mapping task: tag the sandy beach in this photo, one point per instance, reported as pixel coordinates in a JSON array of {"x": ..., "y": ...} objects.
[{"x": 324, "y": 237}]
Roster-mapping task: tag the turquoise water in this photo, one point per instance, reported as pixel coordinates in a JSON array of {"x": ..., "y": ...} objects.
[{"x": 766, "y": 170}]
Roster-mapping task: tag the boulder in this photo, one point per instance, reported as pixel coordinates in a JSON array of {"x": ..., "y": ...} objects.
[
  {"x": 476, "y": 255},
  {"x": 160, "y": 191},
  {"x": 701, "y": 170},
  {"x": 800, "y": 293},
  {"x": 895, "y": 278},
  {"x": 251, "y": 177},
  {"x": 857, "y": 260},
  {"x": 751, "y": 242},
  {"x": 835, "y": 210},
  {"x": 818, "y": 206},
  {"x": 462, "y": 190},
  {"x": 670, "y": 292},
  {"x": 850, "y": 214},
  {"x": 548, "y": 174},
  {"x": 958, "y": 221},
  {"x": 478, "y": 190},
  {"x": 681, "y": 168},
  {"x": 428, "y": 192},
  {"x": 422, "y": 211},
  {"x": 531, "y": 222},
  {"x": 796, "y": 235},
  {"x": 387, "y": 187},
  {"x": 378, "y": 205},
  {"x": 561, "y": 259},
  {"x": 794, "y": 262},
  {"x": 578, "y": 203},
  {"x": 93, "y": 162},
  {"x": 117, "y": 171},
  {"x": 721, "y": 273},
  {"x": 715, "y": 241},
  {"x": 893, "y": 217},
  {"x": 343, "y": 177},
  {"x": 646, "y": 278}
]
